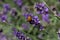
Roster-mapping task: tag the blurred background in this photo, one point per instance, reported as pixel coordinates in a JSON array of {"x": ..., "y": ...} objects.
[{"x": 29, "y": 19}]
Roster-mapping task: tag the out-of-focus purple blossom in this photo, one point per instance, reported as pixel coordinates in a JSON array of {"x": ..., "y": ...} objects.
[
  {"x": 25, "y": 26},
  {"x": 41, "y": 8},
  {"x": 45, "y": 17},
  {"x": 6, "y": 7},
  {"x": 18, "y": 2},
  {"x": 18, "y": 34},
  {"x": 14, "y": 31},
  {"x": 2, "y": 37},
  {"x": 36, "y": 19},
  {"x": 41, "y": 27},
  {"x": 3, "y": 18},
  {"x": 46, "y": 9}
]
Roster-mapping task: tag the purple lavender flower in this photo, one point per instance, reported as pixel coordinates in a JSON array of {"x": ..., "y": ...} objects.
[
  {"x": 2, "y": 36},
  {"x": 3, "y": 18},
  {"x": 14, "y": 31},
  {"x": 45, "y": 17},
  {"x": 6, "y": 6},
  {"x": 36, "y": 19},
  {"x": 18, "y": 34},
  {"x": 18, "y": 2},
  {"x": 41, "y": 27},
  {"x": 46, "y": 9},
  {"x": 41, "y": 8}
]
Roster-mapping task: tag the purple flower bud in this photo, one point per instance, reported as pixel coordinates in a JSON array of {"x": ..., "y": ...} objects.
[
  {"x": 35, "y": 19},
  {"x": 19, "y": 2},
  {"x": 18, "y": 34}
]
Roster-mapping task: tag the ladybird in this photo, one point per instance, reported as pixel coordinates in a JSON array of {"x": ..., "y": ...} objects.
[{"x": 29, "y": 18}]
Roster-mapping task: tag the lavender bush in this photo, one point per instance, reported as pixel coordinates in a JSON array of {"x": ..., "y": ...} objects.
[{"x": 29, "y": 19}]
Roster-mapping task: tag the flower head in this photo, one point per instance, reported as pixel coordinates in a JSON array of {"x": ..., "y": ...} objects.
[
  {"x": 6, "y": 6},
  {"x": 36, "y": 19},
  {"x": 41, "y": 8},
  {"x": 3, "y": 18},
  {"x": 18, "y": 33}
]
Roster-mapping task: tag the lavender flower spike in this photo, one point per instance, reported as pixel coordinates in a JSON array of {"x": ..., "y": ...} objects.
[{"x": 6, "y": 6}]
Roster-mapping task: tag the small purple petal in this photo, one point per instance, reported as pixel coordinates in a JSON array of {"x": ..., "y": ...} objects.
[{"x": 45, "y": 17}]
